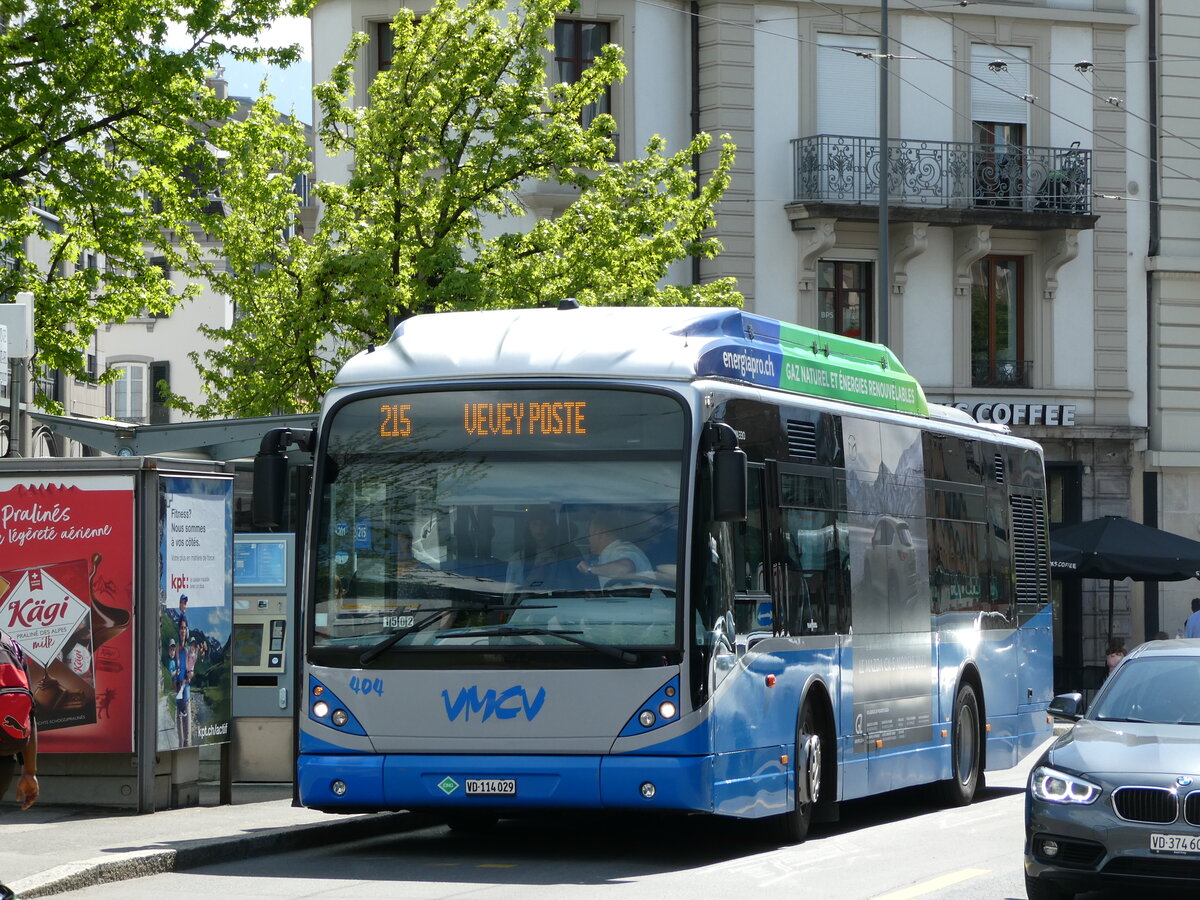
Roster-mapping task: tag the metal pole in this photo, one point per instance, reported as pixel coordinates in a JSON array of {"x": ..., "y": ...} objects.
[
  {"x": 16, "y": 417},
  {"x": 147, "y": 636},
  {"x": 884, "y": 279}
]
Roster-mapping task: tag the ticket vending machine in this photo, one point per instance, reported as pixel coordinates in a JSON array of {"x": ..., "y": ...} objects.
[{"x": 264, "y": 601}]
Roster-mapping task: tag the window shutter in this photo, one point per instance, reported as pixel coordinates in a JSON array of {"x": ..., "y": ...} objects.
[
  {"x": 160, "y": 413},
  {"x": 847, "y": 86},
  {"x": 998, "y": 96}
]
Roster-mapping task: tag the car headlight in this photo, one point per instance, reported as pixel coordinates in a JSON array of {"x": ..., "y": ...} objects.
[{"x": 1054, "y": 786}]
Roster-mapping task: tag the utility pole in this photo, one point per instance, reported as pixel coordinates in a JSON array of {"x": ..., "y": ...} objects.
[
  {"x": 18, "y": 319},
  {"x": 884, "y": 273}
]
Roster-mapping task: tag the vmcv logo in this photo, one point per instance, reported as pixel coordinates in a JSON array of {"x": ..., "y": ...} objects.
[{"x": 506, "y": 704}]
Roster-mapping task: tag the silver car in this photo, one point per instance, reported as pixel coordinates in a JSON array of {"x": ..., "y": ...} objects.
[{"x": 1116, "y": 800}]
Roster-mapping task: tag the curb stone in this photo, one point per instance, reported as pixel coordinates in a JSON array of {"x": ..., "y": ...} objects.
[{"x": 195, "y": 854}]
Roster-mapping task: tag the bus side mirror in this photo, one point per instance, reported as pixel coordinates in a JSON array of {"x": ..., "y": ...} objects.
[
  {"x": 729, "y": 473},
  {"x": 270, "y": 489},
  {"x": 269, "y": 499}
]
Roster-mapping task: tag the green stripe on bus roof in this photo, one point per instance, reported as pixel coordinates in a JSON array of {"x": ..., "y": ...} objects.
[{"x": 838, "y": 368}]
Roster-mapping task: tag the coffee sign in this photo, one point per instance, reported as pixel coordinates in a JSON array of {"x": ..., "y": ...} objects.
[{"x": 1054, "y": 415}]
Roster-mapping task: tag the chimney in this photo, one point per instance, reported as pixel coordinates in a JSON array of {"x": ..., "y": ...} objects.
[{"x": 217, "y": 82}]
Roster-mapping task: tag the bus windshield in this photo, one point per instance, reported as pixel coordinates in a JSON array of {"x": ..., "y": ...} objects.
[{"x": 486, "y": 520}]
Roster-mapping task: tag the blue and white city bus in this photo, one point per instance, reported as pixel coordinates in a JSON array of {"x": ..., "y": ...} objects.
[{"x": 660, "y": 559}]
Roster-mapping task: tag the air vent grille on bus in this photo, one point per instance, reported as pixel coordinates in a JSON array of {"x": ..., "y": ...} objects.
[
  {"x": 802, "y": 440},
  {"x": 1031, "y": 549},
  {"x": 998, "y": 468}
]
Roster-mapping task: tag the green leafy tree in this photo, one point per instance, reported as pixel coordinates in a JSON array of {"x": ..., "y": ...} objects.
[
  {"x": 103, "y": 161},
  {"x": 455, "y": 127},
  {"x": 266, "y": 270}
]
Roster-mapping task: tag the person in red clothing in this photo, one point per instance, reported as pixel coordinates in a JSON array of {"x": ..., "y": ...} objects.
[{"x": 26, "y": 761}]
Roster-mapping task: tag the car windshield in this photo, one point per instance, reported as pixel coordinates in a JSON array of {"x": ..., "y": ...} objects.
[
  {"x": 1158, "y": 689},
  {"x": 485, "y": 520}
]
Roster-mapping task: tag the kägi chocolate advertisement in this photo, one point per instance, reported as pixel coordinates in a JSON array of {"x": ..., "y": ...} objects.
[{"x": 66, "y": 596}]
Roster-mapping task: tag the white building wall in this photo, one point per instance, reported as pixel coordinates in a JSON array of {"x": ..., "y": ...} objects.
[
  {"x": 170, "y": 339},
  {"x": 927, "y": 326},
  {"x": 1174, "y": 278},
  {"x": 656, "y": 94},
  {"x": 925, "y": 85},
  {"x": 333, "y": 23},
  {"x": 777, "y": 102}
]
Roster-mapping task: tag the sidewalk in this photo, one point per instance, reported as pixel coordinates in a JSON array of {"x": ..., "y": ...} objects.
[{"x": 47, "y": 850}]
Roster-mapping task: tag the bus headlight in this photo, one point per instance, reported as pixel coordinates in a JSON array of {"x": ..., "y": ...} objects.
[
  {"x": 340, "y": 717},
  {"x": 667, "y": 710},
  {"x": 646, "y": 718},
  {"x": 320, "y": 709}
]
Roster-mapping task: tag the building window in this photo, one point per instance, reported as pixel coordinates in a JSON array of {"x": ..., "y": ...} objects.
[
  {"x": 999, "y": 117},
  {"x": 998, "y": 323},
  {"x": 844, "y": 298},
  {"x": 127, "y": 395},
  {"x": 385, "y": 47},
  {"x": 50, "y": 385},
  {"x": 159, "y": 387},
  {"x": 576, "y": 45},
  {"x": 999, "y": 164}
]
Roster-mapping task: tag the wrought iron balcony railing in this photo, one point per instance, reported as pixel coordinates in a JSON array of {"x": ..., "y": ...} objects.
[
  {"x": 944, "y": 174},
  {"x": 1004, "y": 373}
]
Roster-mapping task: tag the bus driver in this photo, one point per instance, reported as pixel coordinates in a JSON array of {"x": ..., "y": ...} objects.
[{"x": 614, "y": 558}]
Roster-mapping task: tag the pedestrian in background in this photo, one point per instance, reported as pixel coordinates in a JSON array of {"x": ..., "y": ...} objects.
[
  {"x": 1116, "y": 653},
  {"x": 1192, "y": 628}
]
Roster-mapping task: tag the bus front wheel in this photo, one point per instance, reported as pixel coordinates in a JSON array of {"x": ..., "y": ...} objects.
[
  {"x": 965, "y": 749},
  {"x": 792, "y": 826}
]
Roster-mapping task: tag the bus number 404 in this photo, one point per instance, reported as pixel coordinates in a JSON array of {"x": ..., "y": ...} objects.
[{"x": 366, "y": 686}]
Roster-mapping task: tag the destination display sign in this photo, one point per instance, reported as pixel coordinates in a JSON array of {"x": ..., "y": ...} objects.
[
  {"x": 549, "y": 418},
  {"x": 511, "y": 418}
]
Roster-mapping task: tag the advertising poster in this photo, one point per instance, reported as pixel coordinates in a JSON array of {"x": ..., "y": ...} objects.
[
  {"x": 196, "y": 598},
  {"x": 66, "y": 596}
]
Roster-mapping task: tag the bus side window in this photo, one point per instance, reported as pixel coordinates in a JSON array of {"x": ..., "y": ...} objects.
[
  {"x": 814, "y": 563},
  {"x": 752, "y": 604},
  {"x": 749, "y": 555}
]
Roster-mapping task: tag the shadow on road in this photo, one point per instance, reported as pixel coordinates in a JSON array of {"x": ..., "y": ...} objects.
[{"x": 592, "y": 848}]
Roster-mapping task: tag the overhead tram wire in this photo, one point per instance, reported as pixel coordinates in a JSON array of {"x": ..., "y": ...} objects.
[
  {"x": 923, "y": 56},
  {"x": 1090, "y": 66},
  {"x": 1115, "y": 144}
]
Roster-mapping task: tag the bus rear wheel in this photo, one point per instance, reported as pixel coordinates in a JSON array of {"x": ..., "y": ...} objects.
[
  {"x": 965, "y": 750},
  {"x": 792, "y": 827}
]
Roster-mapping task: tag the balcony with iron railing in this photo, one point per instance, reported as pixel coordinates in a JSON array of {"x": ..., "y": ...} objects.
[
  {"x": 1001, "y": 373},
  {"x": 945, "y": 182}
]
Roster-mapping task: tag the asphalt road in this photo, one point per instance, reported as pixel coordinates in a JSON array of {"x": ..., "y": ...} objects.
[{"x": 899, "y": 847}]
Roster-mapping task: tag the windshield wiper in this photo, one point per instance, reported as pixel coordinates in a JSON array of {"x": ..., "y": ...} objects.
[
  {"x": 395, "y": 637},
  {"x": 369, "y": 656},
  {"x": 625, "y": 656}
]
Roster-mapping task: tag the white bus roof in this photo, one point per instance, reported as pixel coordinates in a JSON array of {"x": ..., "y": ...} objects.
[{"x": 672, "y": 343}]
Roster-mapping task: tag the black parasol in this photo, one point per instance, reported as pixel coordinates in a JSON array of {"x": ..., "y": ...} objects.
[{"x": 1117, "y": 548}]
